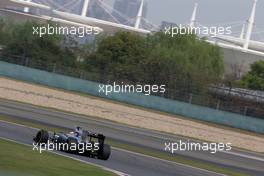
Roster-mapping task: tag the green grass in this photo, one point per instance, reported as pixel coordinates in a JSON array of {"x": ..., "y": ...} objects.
[
  {"x": 20, "y": 160},
  {"x": 140, "y": 150}
]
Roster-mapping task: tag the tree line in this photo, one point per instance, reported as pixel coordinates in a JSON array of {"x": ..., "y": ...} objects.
[{"x": 183, "y": 62}]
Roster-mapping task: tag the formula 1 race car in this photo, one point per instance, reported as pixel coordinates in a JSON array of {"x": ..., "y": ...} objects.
[{"x": 79, "y": 142}]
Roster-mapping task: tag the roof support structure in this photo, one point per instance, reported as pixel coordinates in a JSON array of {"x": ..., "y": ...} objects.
[
  {"x": 251, "y": 22},
  {"x": 193, "y": 18},
  {"x": 242, "y": 35},
  {"x": 85, "y": 8},
  {"x": 140, "y": 14}
]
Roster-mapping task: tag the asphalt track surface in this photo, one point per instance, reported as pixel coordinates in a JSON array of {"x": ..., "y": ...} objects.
[{"x": 124, "y": 161}]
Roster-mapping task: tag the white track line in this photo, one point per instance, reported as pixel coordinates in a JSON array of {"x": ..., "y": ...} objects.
[
  {"x": 245, "y": 156},
  {"x": 139, "y": 154},
  {"x": 172, "y": 162},
  {"x": 123, "y": 150},
  {"x": 163, "y": 160},
  {"x": 20, "y": 125},
  {"x": 230, "y": 153}
]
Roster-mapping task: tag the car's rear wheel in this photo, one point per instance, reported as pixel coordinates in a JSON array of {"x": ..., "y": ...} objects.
[
  {"x": 42, "y": 137},
  {"x": 106, "y": 152}
]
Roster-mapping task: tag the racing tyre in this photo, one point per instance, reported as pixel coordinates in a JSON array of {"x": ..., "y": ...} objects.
[
  {"x": 42, "y": 137},
  {"x": 106, "y": 152}
]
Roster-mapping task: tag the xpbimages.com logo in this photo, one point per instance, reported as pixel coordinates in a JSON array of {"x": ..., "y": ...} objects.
[
  {"x": 78, "y": 147},
  {"x": 180, "y": 146},
  {"x": 80, "y": 31},
  {"x": 126, "y": 88},
  {"x": 204, "y": 30}
]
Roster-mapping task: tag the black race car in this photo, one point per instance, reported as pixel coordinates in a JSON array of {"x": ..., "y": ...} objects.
[{"x": 80, "y": 142}]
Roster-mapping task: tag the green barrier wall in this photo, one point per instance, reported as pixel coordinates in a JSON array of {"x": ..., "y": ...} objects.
[{"x": 157, "y": 103}]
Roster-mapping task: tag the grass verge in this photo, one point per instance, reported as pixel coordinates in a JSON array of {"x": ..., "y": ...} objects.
[
  {"x": 19, "y": 160},
  {"x": 133, "y": 148}
]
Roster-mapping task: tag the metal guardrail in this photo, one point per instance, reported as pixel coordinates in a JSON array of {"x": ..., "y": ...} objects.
[{"x": 251, "y": 95}]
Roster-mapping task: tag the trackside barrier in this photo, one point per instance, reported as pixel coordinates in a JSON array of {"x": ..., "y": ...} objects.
[{"x": 153, "y": 102}]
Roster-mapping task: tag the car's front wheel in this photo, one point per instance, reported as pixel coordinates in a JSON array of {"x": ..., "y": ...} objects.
[{"x": 42, "y": 137}]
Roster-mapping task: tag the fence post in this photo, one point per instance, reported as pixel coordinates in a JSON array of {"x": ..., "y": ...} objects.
[
  {"x": 27, "y": 60},
  {"x": 190, "y": 99},
  {"x": 245, "y": 110},
  {"x": 54, "y": 68},
  {"x": 81, "y": 74},
  {"x": 218, "y": 105}
]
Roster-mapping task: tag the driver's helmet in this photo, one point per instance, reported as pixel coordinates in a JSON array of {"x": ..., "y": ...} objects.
[{"x": 78, "y": 131}]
